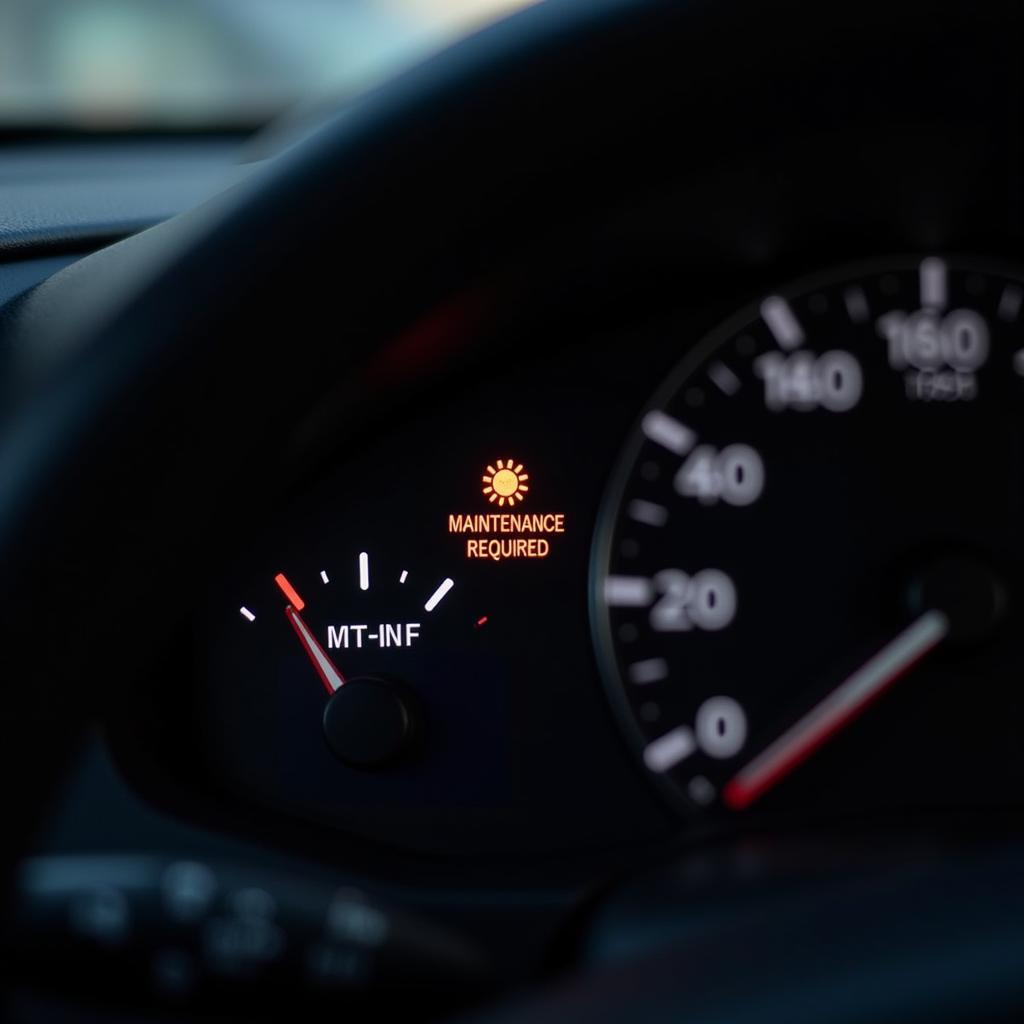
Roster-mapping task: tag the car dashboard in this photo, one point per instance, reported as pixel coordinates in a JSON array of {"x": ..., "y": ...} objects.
[{"x": 682, "y": 527}]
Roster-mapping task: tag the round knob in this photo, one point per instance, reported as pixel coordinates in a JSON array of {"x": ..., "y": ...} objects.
[
  {"x": 368, "y": 723},
  {"x": 969, "y": 592}
]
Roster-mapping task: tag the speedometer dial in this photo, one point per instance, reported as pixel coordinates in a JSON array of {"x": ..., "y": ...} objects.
[{"x": 822, "y": 504}]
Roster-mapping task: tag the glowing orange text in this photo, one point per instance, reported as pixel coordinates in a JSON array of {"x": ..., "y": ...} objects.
[
  {"x": 501, "y": 535},
  {"x": 502, "y": 547},
  {"x": 507, "y": 522}
]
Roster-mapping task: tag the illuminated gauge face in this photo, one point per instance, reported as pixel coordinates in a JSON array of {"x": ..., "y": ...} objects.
[
  {"x": 351, "y": 681},
  {"x": 361, "y": 634},
  {"x": 813, "y": 540},
  {"x": 371, "y": 717}
]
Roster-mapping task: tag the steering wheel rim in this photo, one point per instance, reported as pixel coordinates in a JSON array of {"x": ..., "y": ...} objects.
[
  {"x": 102, "y": 347},
  {"x": 416, "y": 186}
]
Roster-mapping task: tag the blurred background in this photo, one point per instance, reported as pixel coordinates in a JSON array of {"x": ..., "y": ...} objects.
[{"x": 198, "y": 65}]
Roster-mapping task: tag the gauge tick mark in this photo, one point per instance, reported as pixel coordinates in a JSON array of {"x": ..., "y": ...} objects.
[
  {"x": 663, "y": 429},
  {"x": 628, "y": 591},
  {"x": 1009, "y": 303},
  {"x": 782, "y": 322},
  {"x": 669, "y": 750},
  {"x": 648, "y": 512},
  {"x": 857, "y": 305},
  {"x": 651, "y": 671},
  {"x": 438, "y": 595},
  {"x": 289, "y": 592},
  {"x": 933, "y": 283},
  {"x": 724, "y": 379}
]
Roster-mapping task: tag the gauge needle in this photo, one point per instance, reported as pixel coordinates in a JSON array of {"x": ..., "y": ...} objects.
[
  {"x": 325, "y": 668},
  {"x": 839, "y": 708}
]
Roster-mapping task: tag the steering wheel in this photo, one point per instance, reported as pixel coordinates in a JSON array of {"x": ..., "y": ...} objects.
[{"x": 147, "y": 386}]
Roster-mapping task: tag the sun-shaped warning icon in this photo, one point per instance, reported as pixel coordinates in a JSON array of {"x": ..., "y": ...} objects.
[{"x": 505, "y": 482}]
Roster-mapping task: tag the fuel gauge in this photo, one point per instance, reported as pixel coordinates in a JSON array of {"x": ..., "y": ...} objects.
[
  {"x": 359, "y": 628},
  {"x": 395, "y": 665}
]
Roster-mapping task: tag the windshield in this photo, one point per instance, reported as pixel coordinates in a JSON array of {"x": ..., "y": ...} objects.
[{"x": 208, "y": 64}]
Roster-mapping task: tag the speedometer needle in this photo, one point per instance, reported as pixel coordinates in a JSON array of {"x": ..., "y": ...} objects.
[
  {"x": 325, "y": 668},
  {"x": 839, "y": 708}
]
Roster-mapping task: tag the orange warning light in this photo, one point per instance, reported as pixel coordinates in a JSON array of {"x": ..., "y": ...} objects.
[
  {"x": 497, "y": 536},
  {"x": 505, "y": 482}
]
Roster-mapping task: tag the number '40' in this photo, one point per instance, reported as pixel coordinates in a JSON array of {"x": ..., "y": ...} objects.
[{"x": 734, "y": 475}]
